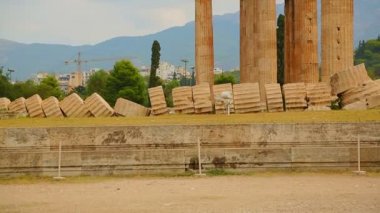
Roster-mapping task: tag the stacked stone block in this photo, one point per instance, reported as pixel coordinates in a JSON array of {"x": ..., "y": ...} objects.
[
  {"x": 73, "y": 106},
  {"x": 4, "y": 103},
  {"x": 50, "y": 106},
  {"x": 318, "y": 96},
  {"x": 157, "y": 100},
  {"x": 373, "y": 101},
  {"x": 247, "y": 98},
  {"x": 33, "y": 106},
  {"x": 183, "y": 100},
  {"x": 220, "y": 107},
  {"x": 126, "y": 108},
  {"x": 274, "y": 98},
  {"x": 295, "y": 96},
  {"x": 360, "y": 93},
  {"x": 98, "y": 106},
  {"x": 18, "y": 106},
  {"x": 349, "y": 79},
  {"x": 202, "y": 98}
]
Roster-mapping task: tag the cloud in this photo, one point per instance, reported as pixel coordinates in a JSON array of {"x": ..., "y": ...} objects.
[{"x": 92, "y": 21}]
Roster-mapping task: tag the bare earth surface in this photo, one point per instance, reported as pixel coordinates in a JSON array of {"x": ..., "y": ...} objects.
[{"x": 262, "y": 193}]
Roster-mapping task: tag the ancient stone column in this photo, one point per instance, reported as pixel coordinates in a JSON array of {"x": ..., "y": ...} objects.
[
  {"x": 258, "y": 44},
  {"x": 204, "y": 42},
  {"x": 337, "y": 37},
  {"x": 301, "y": 41}
]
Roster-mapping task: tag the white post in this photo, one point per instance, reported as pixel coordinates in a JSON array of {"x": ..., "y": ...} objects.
[
  {"x": 359, "y": 172},
  {"x": 199, "y": 157},
  {"x": 59, "y": 177},
  {"x": 359, "y": 169}
]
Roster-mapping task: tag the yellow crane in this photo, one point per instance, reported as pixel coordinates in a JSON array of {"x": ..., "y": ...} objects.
[{"x": 79, "y": 61}]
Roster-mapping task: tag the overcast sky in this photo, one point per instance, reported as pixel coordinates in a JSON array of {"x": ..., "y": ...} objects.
[{"x": 77, "y": 22}]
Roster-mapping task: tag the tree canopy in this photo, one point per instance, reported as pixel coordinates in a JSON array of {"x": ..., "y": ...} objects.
[
  {"x": 98, "y": 83},
  {"x": 126, "y": 82},
  {"x": 368, "y": 52},
  {"x": 225, "y": 78}
]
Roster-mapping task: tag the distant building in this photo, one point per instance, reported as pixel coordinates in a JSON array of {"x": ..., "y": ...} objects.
[
  {"x": 166, "y": 71},
  {"x": 218, "y": 71}
]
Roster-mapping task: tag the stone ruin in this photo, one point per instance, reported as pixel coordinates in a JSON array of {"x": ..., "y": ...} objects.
[
  {"x": 157, "y": 100},
  {"x": 183, "y": 100},
  {"x": 202, "y": 98}
]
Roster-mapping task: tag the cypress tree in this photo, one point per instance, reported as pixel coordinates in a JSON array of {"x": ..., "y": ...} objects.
[{"x": 155, "y": 63}]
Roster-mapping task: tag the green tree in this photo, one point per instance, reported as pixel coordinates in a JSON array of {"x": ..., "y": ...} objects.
[
  {"x": 98, "y": 83},
  {"x": 280, "y": 48},
  {"x": 126, "y": 82},
  {"x": 155, "y": 63},
  {"x": 5, "y": 85},
  {"x": 224, "y": 79},
  {"x": 23, "y": 89},
  {"x": 168, "y": 88},
  {"x": 49, "y": 86},
  {"x": 368, "y": 52}
]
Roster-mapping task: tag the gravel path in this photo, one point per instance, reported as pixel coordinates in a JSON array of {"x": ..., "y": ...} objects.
[{"x": 266, "y": 193}]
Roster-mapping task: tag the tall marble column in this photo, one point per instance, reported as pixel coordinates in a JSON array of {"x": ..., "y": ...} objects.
[
  {"x": 301, "y": 41},
  {"x": 204, "y": 42},
  {"x": 337, "y": 37},
  {"x": 258, "y": 44}
]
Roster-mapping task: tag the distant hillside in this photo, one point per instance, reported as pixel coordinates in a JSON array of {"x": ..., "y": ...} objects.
[{"x": 176, "y": 43}]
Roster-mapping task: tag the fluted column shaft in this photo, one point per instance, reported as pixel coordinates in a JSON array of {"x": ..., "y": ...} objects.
[
  {"x": 204, "y": 42},
  {"x": 258, "y": 42},
  {"x": 337, "y": 37},
  {"x": 301, "y": 41}
]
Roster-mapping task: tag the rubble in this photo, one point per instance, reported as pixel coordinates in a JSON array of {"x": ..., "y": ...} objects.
[
  {"x": 157, "y": 100},
  {"x": 247, "y": 98},
  {"x": 318, "y": 96},
  {"x": 295, "y": 96},
  {"x": 18, "y": 106},
  {"x": 183, "y": 100},
  {"x": 33, "y": 106},
  {"x": 98, "y": 106},
  {"x": 274, "y": 98},
  {"x": 4, "y": 103},
  {"x": 219, "y": 104},
  {"x": 50, "y": 106},
  {"x": 202, "y": 98},
  {"x": 73, "y": 106},
  {"x": 126, "y": 108}
]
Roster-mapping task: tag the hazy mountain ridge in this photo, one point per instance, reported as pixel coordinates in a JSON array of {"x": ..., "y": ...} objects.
[{"x": 176, "y": 43}]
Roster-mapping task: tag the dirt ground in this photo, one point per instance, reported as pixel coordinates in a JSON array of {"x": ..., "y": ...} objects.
[{"x": 258, "y": 193}]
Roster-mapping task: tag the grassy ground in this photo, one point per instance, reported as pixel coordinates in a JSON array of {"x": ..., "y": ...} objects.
[
  {"x": 26, "y": 180},
  {"x": 284, "y": 117}
]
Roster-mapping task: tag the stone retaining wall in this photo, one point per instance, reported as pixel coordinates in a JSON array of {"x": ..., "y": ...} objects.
[{"x": 156, "y": 149}]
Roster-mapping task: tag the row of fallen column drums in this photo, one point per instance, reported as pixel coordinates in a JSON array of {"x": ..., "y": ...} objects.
[
  {"x": 246, "y": 98},
  {"x": 71, "y": 106},
  {"x": 353, "y": 86}
]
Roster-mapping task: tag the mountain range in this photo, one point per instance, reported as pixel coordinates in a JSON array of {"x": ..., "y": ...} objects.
[{"x": 177, "y": 43}]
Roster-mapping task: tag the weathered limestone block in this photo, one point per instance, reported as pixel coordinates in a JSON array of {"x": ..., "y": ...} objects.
[
  {"x": 360, "y": 93},
  {"x": 204, "y": 42},
  {"x": 373, "y": 102},
  {"x": 18, "y": 106},
  {"x": 274, "y": 98},
  {"x": 247, "y": 98},
  {"x": 126, "y": 108},
  {"x": 220, "y": 107},
  {"x": 295, "y": 96},
  {"x": 51, "y": 108},
  {"x": 98, "y": 106},
  {"x": 4, "y": 103},
  {"x": 33, "y": 106},
  {"x": 202, "y": 98},
  {"x": 73, "y": 106},
  {"x": 157, "y": 100},
  {"x": 337, "y": 37},
  {"x": 359, "y": 105},
  {"x": 183, "y": 100},
  {"x": 318, "y": 96},
  {"x": 349, "y": 79}
]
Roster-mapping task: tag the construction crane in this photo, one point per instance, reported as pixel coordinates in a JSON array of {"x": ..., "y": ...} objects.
[{"x": 79, "y": 61}]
